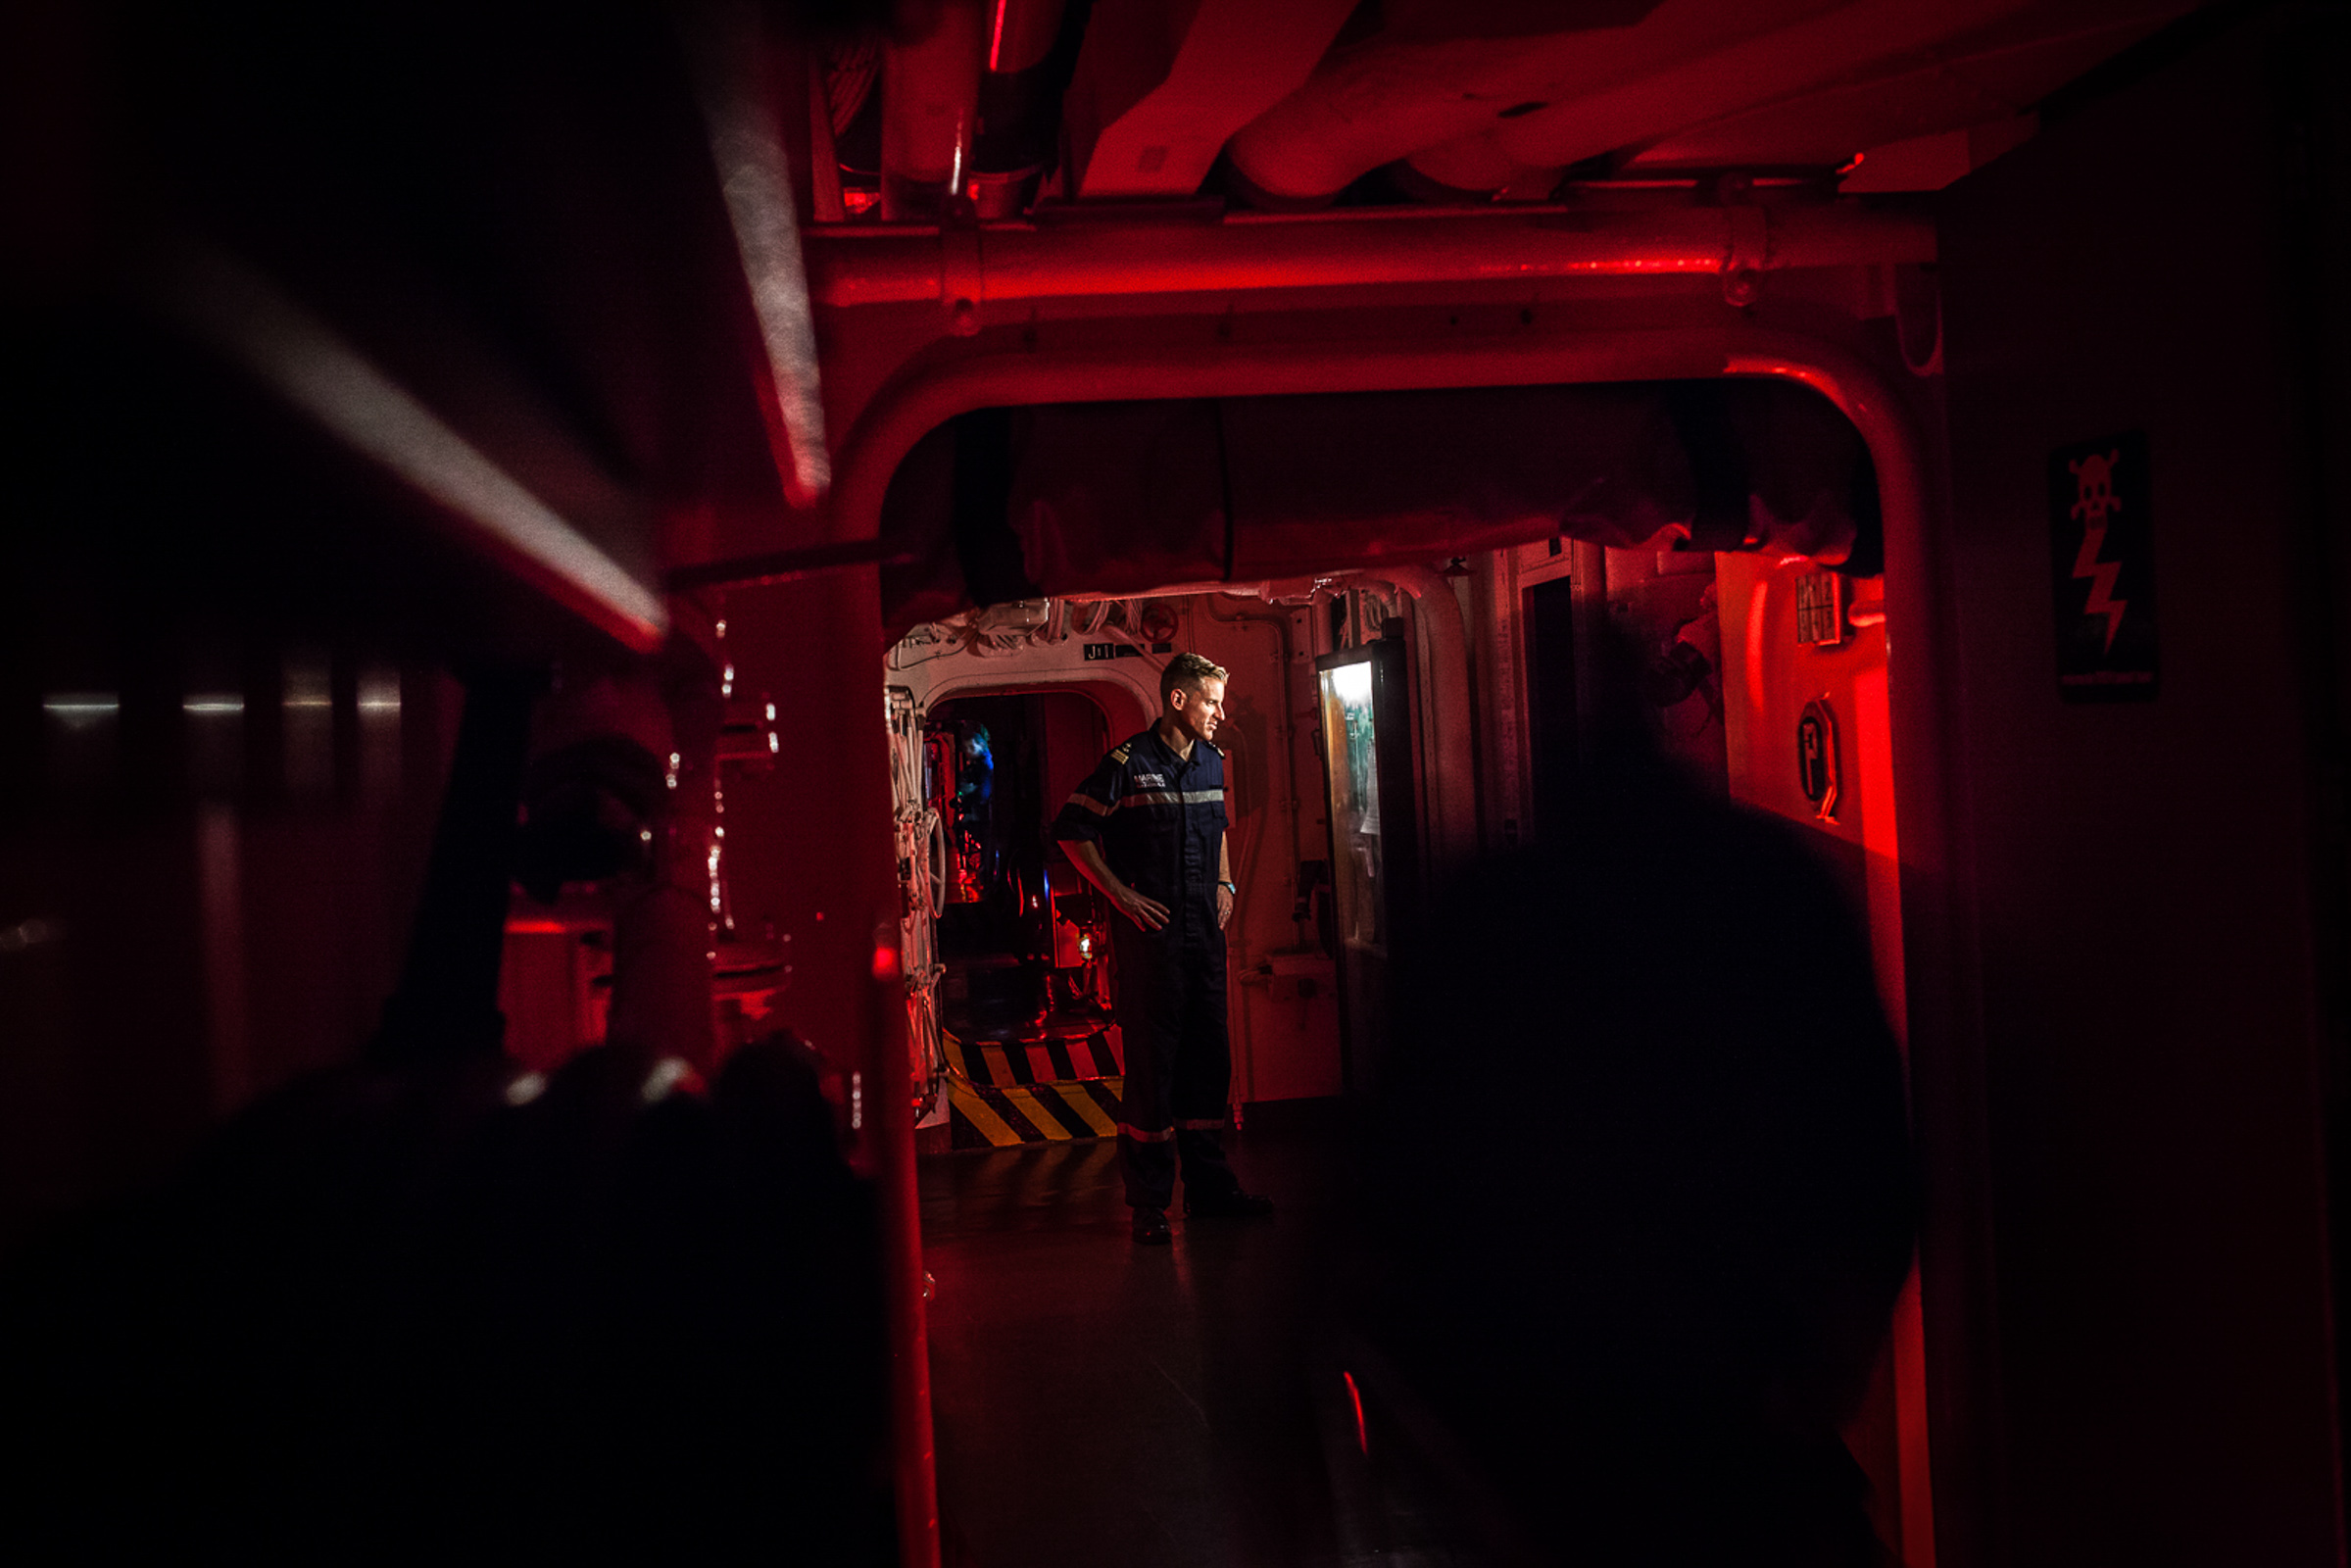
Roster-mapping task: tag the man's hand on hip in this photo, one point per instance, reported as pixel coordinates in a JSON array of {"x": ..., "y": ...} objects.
[{"x": 1148, "y": 913}]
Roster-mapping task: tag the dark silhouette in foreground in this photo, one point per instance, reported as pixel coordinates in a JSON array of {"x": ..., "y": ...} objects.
[
  {"x": 430, "y": 1306},
  {"x": 1644, "y": 1195}
]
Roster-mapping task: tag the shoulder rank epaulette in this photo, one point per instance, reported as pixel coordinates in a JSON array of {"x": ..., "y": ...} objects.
[{"x": 1119, "y": 755}]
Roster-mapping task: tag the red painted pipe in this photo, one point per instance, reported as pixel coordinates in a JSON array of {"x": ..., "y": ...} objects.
[
  {"x": 1022, "y": 261},
  {"x": 888, "y": 1152},
  {"x": 930, "y": 111}
]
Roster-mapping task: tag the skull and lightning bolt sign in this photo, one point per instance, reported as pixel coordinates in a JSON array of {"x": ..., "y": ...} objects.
[
  {"x": 2094, "y": 504},
  {"x": 2103, "y": 572}
]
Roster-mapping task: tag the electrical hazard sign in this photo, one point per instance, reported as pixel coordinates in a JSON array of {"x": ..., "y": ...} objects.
[{"x": 2103, "y": 566}]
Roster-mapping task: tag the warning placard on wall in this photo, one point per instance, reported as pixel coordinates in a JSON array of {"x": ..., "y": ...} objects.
[{"x": 2102, "y": 570}]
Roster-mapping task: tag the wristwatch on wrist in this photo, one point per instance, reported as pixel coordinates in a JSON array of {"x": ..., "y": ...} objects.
[{"x": 1234, "y": 886}]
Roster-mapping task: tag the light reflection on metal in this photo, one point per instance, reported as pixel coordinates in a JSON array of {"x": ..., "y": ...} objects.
[
  {"x": 754, "y": 177},
  {"x": 721, "y": 918},
  {"x": 298, "y": 356},
  {"x": 81, "y": 710}
]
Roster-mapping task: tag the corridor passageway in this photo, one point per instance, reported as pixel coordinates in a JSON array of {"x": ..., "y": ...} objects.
[{"x": 1100, "y": 1402}]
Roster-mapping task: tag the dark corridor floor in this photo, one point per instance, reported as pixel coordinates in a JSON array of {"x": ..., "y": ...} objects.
[{"x": 1100, "y": 1403}]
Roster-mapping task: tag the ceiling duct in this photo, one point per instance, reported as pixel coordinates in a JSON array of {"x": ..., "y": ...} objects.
[
  {"x": 1153, "y": 101},
  {"x": 1557, "y": 99},
  {"x": 1122, "y": 498}
]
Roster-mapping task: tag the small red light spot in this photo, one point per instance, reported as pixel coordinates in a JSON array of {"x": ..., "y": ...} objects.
[
  {"x": 885, "y": 963},
  {"x": 1362, "y": 1437},
  {"x": 1855, "y": 164}
]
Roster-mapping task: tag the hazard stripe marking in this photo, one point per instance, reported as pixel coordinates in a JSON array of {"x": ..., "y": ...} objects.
[
  {"x": 983, "y": 1117},
  {"x": 975, "y": 1110},
  {"x": 1061, "y": 1059},
  {"x": 1088, "y": 1111},
  {"x": 1044, "y": 1121},
  {"x": 1056, "y": 1103}
]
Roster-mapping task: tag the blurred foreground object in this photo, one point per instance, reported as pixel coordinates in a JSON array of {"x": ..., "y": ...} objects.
[{"x": 1633, "y": 1339}]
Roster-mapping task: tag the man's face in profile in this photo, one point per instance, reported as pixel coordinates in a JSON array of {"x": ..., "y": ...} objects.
[{"x": 1198, "y": 709}]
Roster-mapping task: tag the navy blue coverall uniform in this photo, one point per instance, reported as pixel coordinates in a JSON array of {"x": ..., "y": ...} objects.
[{"x": 1159, "y": 819}]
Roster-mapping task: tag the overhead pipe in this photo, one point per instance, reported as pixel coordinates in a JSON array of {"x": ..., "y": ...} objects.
[
  {"x": 1156, "y": 96},
  {"x": 1273, "y": 590},
  {"x": 1019, "y": 104},
  {"x": 1555, "y": 99},
  {"x": 965, "y": 269},
  {"x": 755, "y": 178},
  {"x": 930, "y": 114},
  {"x": 1737, "y": 75},
  {"x": 1473, "y": 169}
]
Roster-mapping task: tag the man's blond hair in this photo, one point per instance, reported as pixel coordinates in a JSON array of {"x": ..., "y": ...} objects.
[{"x": 1188, "y": 669}]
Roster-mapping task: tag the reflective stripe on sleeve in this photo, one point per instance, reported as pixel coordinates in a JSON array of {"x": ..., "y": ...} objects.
[{"x": 1092, "y": 805}]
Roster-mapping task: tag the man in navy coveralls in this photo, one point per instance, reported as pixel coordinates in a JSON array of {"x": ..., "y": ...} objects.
[{"x": 1146, "y": 827}]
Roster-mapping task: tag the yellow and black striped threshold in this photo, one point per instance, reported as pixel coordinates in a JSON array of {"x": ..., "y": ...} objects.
[
  {"x": 1019, "y": 1064},
  {"x": 983, "y": 1116}
]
